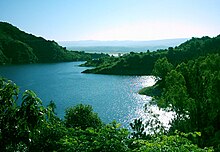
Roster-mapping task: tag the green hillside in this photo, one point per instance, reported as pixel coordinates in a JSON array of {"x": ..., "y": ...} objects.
[{"x": 18, "y": 47}]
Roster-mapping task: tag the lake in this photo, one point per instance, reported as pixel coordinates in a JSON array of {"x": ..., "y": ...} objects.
[{"x": 112, "y": 97}]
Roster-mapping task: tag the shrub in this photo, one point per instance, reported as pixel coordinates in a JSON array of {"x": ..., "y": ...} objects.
[{"x": 82, "y": 116}]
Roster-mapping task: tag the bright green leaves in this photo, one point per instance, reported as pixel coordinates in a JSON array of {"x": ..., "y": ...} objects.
[
  {"x": 112, "y": 138},
  {"x": 18, "y": 123},
  {"x": 8, "y": 113},
  {"x": 175, "y": 93},
  {"x": 31, "y": 109},
  {"x": 161, "y": 68},
  {"x": 109, "y": 138},
  {"x": 8, "y": 93},
  {"x": 173, "y": 143}
]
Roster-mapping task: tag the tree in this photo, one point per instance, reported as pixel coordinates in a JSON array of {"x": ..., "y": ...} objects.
[
  {"x": 170, "y": 143},
  {"x": 8, "y": 114},
  {"x": 82, "y": 116},
  {"x": 192, "y": 92},
  {"x": 161, "y": 68}
]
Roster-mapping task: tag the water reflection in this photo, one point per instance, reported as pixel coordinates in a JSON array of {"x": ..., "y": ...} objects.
[
  {"x": 112, "y": 97},
  {"x": 145, "y": 110}
]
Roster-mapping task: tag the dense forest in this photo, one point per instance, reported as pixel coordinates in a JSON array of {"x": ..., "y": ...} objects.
[
  {"x": 30, "y": 126},
  {"x": 192, "y": 91},
  {"x": 18, "y": 47}
]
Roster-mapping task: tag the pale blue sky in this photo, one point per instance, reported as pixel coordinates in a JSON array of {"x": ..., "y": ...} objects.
[{"x": 66, "y": 20}]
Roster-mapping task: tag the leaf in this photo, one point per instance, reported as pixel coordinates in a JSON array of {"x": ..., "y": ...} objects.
[{"x": 198, "y": 133}]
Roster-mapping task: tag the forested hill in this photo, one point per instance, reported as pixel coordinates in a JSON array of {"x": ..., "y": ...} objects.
[
  {"x": 143, "y": 63},
  {"x": 17, "y": 47}
]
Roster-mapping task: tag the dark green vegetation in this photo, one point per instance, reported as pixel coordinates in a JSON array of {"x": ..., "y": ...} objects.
[
  {"x": 82, "y": 116},
  {"x": 31, "y": 126},
  {"x": 192, "y": 91},
  {"x": 128, "y": 64},
  {"x": 143, "y": 63},
  {"x": 18, "y": 47}
]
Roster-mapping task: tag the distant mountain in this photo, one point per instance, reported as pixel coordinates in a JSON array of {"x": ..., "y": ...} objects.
[
  {"x": 121, "y": 46},
  {"x": 18, "y": 47},
  {"x": 90, "y": 43}
]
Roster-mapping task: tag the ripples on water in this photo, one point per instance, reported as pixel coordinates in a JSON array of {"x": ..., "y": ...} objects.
[
  {"x": 112, "y": 97},
  {"x": 144, "y": 107}
]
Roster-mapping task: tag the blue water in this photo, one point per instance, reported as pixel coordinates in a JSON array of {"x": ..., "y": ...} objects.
[{"x": 112, "y": 97}]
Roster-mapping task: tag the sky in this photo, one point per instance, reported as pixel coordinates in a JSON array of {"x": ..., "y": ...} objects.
[{"x": 73, "y": 20}]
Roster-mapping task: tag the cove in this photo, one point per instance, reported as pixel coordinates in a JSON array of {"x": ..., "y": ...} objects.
[{"x": 112, "y": 97}]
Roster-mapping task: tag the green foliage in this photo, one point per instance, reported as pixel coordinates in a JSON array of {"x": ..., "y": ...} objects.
[
  {"x": 138, "y": 129},
  {"x": 8, "y": 111},
  {"x": 109, "y": 138},
  {"x": 8, "y": 93},
  {"x": 172, "y": 143},
  {"x": 32, "y": 110},
  {"x": 18, "y": 122},
  {"x": 48, "y": 135},
  {"x": 161, "y": 68},
  {"x": 82, "y": 116},
  {"x": 191, "y": 90},
  {"x": 176, "y": 92}
]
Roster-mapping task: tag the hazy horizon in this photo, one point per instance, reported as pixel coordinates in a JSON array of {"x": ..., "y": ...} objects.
[
  {"x": 125, "y": 40},
  {"x": 113, "y": 19},
  {"x": 124, "y": 43},
  {"x": 115, "y": 47}
]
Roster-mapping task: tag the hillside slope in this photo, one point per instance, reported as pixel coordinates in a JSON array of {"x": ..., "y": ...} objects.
[{"x": 18, "y": 47}]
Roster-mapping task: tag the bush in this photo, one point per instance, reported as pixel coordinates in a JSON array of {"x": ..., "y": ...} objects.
[{"x": 82, "y": 116}]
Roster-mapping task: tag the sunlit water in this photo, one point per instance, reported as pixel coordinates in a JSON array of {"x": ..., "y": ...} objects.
[{"x": 112, "y": 97}]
